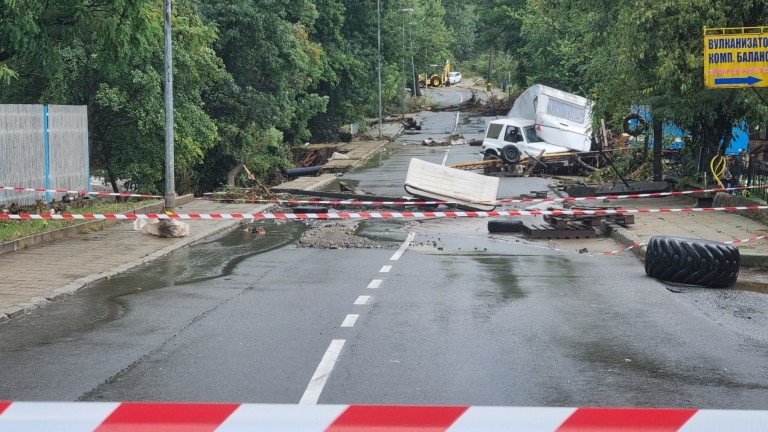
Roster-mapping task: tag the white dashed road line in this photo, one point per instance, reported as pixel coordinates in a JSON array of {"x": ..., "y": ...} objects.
[
  {"x": 316, "y": 384},
  {"x": 456, "y": 124},
  {"x": 403, "y": 247},
  {"x": 350, "y": 320},
  {"x": 331, "y": 356}
]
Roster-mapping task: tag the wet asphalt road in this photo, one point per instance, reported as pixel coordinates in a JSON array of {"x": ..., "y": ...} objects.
[{"x": 457, "y": 317}]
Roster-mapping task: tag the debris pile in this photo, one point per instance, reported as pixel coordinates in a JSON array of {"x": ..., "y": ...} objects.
[{"x": 337, "y": 235}]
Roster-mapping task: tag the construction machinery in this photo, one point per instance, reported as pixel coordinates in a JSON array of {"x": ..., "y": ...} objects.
[{"x": 437, "y": 76}]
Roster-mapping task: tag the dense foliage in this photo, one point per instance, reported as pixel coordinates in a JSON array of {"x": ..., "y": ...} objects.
[{"x": 255, "y": 77}]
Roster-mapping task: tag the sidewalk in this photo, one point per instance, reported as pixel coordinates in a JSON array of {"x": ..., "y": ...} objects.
[
  {"x": 31, "y": 278},
  {"x": 712, "y": 225}
]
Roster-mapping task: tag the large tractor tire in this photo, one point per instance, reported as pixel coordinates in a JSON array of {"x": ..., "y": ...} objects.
[
  {"x": 510, "y": 154},
  {"x": 694, "y": 262},
  {"x": 435, "y": 81}
]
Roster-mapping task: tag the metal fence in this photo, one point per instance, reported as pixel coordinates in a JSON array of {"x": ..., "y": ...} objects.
[
  {"x": 43, "y": 147},
  {"x": 756, "y": 174},
  {"x": 741, "y": 170}
]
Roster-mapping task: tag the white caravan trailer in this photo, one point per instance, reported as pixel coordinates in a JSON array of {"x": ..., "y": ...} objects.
[{"x": 561, "y": 118}]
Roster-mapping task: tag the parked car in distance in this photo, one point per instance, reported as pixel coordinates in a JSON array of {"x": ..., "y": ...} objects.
[{"x": 454, "y": 77}]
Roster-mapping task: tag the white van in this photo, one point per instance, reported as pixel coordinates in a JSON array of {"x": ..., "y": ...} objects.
[
  {"x": 513, "y": 139},
  {"x": 561, "y": 118}
]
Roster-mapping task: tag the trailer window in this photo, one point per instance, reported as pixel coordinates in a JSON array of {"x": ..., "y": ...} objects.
[
  {"x": 494, "y": 130},
  {"x": 566, "y": 110}
]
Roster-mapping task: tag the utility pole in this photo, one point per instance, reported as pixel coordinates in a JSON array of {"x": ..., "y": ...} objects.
[{"x": 170, "y": 193}]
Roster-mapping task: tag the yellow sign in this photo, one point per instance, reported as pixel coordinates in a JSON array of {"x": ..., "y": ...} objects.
[{"x": 736, "y": 57}]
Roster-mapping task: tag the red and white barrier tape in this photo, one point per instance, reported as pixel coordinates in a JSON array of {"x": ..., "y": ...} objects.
[
  {"x": 374, "y": 215},
  {"x": 354, "y": 202},
  {"x": 224, "y": 417},
  {"x": 81, "y": 192},
  {"x": 500, "y": 201}
]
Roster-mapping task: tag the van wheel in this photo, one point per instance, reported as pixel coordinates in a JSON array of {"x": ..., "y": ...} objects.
[
  {"x": 510, "y": 154},
  {"x": 694, "y": 262}
]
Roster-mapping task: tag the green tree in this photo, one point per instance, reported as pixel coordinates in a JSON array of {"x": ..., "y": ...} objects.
[
  {"x": 655, "y": 58},
  {"x": 344, "y": 79},
  {"x": 266, "y": 48},
  {"x": 109, "y": 57},
  {"x": 461, "y": 20}
]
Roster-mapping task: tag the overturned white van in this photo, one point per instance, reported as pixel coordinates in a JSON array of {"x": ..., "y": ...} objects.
[{"x": 541, "y": 119}]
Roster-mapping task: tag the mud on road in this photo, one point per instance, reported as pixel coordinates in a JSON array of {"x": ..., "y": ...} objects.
[{"x": 324, "y": 234}]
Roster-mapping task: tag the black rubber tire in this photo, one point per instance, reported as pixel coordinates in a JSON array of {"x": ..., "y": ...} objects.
[
  {"x": 510, "y": 154},
  {"x": 693, "y": 262},
  {"x": 640, "y": 128},
  {"x": 505, "y": 226},
  {"x": 310, "y": 209},
  {"x": 435, "y": 82}
]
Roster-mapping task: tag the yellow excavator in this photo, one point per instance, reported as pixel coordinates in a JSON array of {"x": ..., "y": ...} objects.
[{"x": 437, "y": 76}]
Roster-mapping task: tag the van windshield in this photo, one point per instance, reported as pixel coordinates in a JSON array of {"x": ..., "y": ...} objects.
[{"x": 530, "y": 134}]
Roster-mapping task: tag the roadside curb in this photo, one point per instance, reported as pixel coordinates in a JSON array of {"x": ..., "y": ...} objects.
[{"x": 626, "y": 238}]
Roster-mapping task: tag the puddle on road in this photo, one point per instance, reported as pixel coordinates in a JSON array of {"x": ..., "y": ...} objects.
[
  {"x": 102, "y": 302},
  {"x": 500, "y": 270},
  {"x": 382, "y": 230}
]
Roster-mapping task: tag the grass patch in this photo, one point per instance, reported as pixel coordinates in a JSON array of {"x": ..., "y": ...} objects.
[{"x": 15, "y": 229}]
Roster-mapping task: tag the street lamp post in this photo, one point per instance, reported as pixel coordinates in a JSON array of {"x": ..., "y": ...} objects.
[
  {"x": 378, "y": 59},
  {"x": 402, "y": 62},
  {"x": 413, "y": 65},
  {"x": 170, "y": 193}
]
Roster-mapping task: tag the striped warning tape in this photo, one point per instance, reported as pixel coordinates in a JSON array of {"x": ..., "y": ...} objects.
[
  {"x": 233, "y": 417},
  {"x": 80, "y": 192},
  {"x": 405, "y": 202},
  {"x": 500, "y": 201},
  {"x": 376, "y": 215}
]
